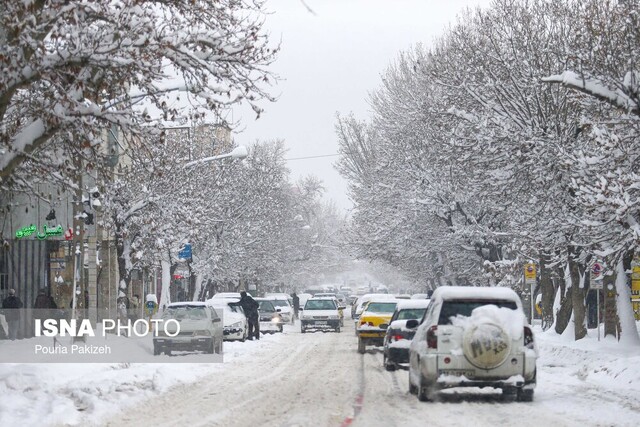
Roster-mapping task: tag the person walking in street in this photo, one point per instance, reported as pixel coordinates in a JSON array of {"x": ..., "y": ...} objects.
[
  {"x": 250, "y": 308},
  {"x": 12, "y": 306},
  {"x": 296, "y": 305}
]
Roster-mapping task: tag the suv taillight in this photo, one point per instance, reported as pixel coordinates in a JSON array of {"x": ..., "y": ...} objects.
[
  {"x": 528, "y": 337},
  {"x": 432, "y": 337}
]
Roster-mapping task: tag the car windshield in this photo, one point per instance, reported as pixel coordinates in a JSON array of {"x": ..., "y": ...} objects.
[
  {"x": 320, "y": 305},
  {"x": 266, "y": 306},
  {"x": 185, "y": 312},
  {"x": 280, "y": 303},
  {"x": 234, "y": 308},
  {"x": 465, "y": 307},
  {"x": 411, "y": 313},
  {"x": 381, "y": 307}
]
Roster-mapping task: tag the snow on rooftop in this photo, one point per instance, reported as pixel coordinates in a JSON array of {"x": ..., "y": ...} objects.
[{"x": 413, "y": 303}]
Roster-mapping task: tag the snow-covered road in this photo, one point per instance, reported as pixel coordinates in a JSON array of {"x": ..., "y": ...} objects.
[{"x": 319, "y": 379}]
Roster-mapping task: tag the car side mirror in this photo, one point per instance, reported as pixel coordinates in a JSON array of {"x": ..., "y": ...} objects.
[
  {"x": 384, "y": 326},
  {"x": 412, "y": 324},
  {"x": 342, "y": 307},
  {"x": 278, "y": 310},
  {"x": 216, "y": 319},
  {"x": 301, "y": 308}
]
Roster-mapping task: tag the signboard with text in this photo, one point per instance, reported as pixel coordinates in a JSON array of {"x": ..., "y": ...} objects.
[{"x": 530, "y": 274}]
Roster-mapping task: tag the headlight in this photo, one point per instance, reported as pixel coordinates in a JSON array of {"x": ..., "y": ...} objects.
[
  {"x": 201, "y": 333},
  {"x": 235, "y": 325},
  {"x": 276, "y": 319}
]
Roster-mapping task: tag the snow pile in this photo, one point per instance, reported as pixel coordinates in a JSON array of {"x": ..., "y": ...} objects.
[
  {"x": 512, "y": 321},
  {"x": 67, "y": 393}
]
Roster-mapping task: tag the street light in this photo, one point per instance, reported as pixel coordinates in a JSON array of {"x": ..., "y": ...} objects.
[{"x": 240, "y": 152}]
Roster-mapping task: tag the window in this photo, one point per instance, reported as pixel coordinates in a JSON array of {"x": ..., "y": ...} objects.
[
  {"x": 381, "y": 307},
  {"x": 410, "y": 313},
  {"x": 465, "y": 307}
]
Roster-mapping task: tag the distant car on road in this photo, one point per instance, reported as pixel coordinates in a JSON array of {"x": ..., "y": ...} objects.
[
  {"x": 286, "y": 309},
  {"x": 320, "y": 314},
  {"x": 373, "y": 322},
  {"x": 398, "y": 337},
  {"x": 200, "y": 329},
  {"x": 473, "y": 337},
  {"x": 270, "y": 319}
]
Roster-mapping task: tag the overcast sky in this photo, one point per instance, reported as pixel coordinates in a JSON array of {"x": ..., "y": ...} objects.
[{"x": 329, "y": 61}]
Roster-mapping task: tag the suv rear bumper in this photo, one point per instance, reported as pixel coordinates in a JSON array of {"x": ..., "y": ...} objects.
[{"x": 517, "y": 371}]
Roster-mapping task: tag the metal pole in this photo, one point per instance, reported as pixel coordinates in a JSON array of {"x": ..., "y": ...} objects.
[{"x": 598, "y": 310}]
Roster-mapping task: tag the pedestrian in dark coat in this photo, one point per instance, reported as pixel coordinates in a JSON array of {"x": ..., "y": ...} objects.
[
  {"x": 250, "y": 308},
  {"x": 12, "y": 306},
  {"x": 296, "y": 305}
]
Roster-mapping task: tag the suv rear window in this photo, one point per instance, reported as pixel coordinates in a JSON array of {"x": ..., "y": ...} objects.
[{"x": 465, "y": 307}]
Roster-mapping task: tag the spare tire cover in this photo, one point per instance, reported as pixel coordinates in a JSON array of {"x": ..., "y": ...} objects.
[{"x": 486, "y": 345}]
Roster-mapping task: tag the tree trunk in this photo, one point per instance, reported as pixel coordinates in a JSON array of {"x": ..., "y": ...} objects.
[
  {"x": 578, "y": 295},
  {"x": 548, "y": 292},
  {"x": 566, "y": 306},
  {"x": 610, "y": 311}
]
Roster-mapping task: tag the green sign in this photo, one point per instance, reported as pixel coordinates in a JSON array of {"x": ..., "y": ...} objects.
[{"x": 46, "y": 232}]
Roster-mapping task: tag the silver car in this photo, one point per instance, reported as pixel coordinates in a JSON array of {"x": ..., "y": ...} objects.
[
  {"x": 473, "y": 337},
  {"x": 198, "y": 327}
]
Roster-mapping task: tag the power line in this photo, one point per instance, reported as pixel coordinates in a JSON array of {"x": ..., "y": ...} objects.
[{"x": 314, "y": 157}]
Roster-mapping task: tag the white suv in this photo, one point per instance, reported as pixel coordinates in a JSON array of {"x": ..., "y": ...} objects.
[{"x": 473, "y": 337}]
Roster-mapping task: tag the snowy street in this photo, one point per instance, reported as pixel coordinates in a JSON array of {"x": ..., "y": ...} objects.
[{"x": 319, "y": 379}]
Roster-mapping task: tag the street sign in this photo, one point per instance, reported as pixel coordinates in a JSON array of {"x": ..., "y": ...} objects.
[
  {"x": 185, "y": 252},
  {"x": 597, "y": 274},
  {"x": 530, "y": 274}
]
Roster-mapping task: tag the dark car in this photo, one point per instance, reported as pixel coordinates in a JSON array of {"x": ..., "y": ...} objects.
[
  {"x": 200, "y": 329},
  {"x": 398, "y": 337},
  {"x": 270, "y": 318}
]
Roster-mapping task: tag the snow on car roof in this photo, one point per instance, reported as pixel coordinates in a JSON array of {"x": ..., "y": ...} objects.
[
  {"x": 377, "y": 297},
  {"x": 186, "y": 303},
  {"x": 476, "y": 292},
  {"x": 412, "y": 303}
]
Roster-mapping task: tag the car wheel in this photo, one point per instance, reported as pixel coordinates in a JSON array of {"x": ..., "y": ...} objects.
[
  {"x": 412, "y": 388},
  {"x": 425, "y": 393},
  {"x": 338, "y": 329},
  {"x": 509, "y": 394},
  {"x": 219, "y": 349},
  {"x": 389, "y": 366},
  {"x": 280, "y": 328},
  {"x": 156, "y": 350},
  {"x": 361, "y": 346},
  {"x": 525, "y": 395},
  {"x": 302, "y": 329},
  {"x": 167, "y": 352},
  {"x": 212, "y": 347}
]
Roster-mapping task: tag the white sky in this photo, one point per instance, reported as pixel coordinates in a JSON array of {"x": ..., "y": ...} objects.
[{"x": 328, "y": 63}]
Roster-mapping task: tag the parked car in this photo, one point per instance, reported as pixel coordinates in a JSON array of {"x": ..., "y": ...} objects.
[
  {"x": 473, "y": 337},
  {"x": 235, "y": 325},
  {"x": 421, "y": 296},
  {"x": 398, "y": 337},
  {"x": 320, "y": 314},
  {"x": 374, "y": 321},
  {"x": 200, "y": 329},
  {"x": 286, "y": 307},
  {"x": 221, "y": 295},
  {"x": 270, "y": 319},
  {"x": 359, "y": 305}
]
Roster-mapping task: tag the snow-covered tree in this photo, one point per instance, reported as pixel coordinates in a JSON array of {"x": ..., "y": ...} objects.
[{"x": 71, "y": 70}]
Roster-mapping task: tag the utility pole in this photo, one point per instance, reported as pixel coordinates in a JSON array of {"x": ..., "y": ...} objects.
[{"x": 78, "y": 241}]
